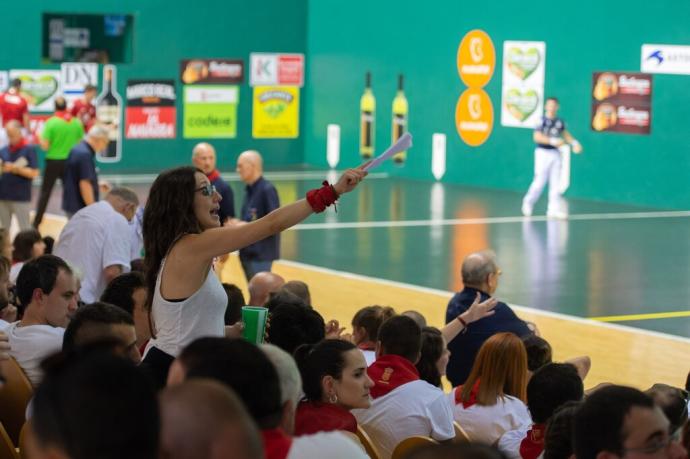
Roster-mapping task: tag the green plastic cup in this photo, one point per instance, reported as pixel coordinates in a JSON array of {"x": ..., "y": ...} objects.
[{"x": 254, "y": 318}]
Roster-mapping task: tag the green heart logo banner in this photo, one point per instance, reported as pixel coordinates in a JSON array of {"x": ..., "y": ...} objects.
[
  {"x": 521, "y": 104},
  {"x": 39, "y": 87},
  {"x": 523, "y": 63}
]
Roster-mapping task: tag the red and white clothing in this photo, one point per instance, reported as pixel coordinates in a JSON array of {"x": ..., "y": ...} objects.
[
  {"x": 13, "y": 107},
  {"x": 403, "y": 406},
  {"x": 331, "y": 445},
  {"x": 369, "y": 351},
  {"x": 527, "y": 442},
  {"x": 487, "y": 423},
  {"x": 85, "y": 111},
  {"x": 312, "y": 417}
]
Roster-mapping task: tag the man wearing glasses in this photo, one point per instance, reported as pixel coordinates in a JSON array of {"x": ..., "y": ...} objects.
[
  {"x": 622, "y": 422},
  {"x": 261, "y": 198}
]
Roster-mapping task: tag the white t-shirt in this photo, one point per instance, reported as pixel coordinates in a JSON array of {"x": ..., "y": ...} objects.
[
  {"x": 333, "y": 445},
  {"x": 31, "y": 344},
  {"x": 14, "y": 271},
  {"x": 415, "y": 408},
  {"x": 95, "y": 238},
  {"x": 370, "y": 357},
  {"x": 486, "y": 424},
  {"x": 509, "y": 443}
]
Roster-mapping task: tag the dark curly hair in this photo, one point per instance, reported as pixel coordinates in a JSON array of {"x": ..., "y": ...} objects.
[
  {"x": 169, "y": 214},
  {"x": 432, "y": 350}
]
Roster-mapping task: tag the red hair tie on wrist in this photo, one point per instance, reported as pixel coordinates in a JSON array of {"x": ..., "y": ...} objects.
[{"x": 320, "y": 198}]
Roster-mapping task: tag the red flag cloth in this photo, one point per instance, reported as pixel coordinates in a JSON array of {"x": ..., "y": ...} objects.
[{"x": 390, "y": 372}]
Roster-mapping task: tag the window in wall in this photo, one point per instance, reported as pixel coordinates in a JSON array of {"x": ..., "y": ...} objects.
[{"x": 100, "y": 38}]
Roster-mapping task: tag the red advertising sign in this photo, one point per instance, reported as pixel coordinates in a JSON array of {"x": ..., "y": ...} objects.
[
  {"x": 150, "y": 110},
  {"x": 273, "y": 69},
  {"x": 36, "y": 123},
  {"x": 212, "y": 71},
  {"x": 622, "y": 102},
  {"x": 291, "y": 70}
]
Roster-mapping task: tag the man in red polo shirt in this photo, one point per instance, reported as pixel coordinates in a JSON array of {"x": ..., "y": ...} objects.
[
  {"x": 13, "y": 107},
  {"x": 84, "y": 108}
]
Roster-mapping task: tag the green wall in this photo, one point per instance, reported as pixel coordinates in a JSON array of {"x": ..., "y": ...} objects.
[
  {"x": 165, "y": 31},
  {"x": 421, "y": 40}
]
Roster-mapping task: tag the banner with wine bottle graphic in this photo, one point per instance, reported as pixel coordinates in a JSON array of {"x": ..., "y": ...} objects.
[
  {"x": 109, "y": 107},
  {"x": 523, "y": 83},
  {"x": 151, "y": 112}
]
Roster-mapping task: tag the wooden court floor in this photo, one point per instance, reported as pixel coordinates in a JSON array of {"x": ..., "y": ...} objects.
[{"x": 401, "y": 243}]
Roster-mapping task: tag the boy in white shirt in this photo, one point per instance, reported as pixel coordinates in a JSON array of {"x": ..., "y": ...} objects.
[
  {"x": 549, "y": 388},
  {"x": 46, "y": 288},
  {"x": 403, "y": 405}
]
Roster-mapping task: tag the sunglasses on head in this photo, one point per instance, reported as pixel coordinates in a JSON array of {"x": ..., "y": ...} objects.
[{"x": 207, "y": 190}]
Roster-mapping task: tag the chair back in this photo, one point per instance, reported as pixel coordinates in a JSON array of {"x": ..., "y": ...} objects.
[
  {"x": 408, "y": 445},
  {"x": 7, "y": 450},
  {"x": 14, "y": 397},
  {"x": 369, "y": 446},
  {"x": 460, "y": 434}
]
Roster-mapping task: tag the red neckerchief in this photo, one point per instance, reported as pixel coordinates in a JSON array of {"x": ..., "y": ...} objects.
[
  {"x": 390, "y": 372},
  {"x": 473, "y": 396},
  {"x": 276, "y": 443},
  {"x": 313, "y": 417},
  {"x": 65, "y": 115},
  {"x": 19, "y": 146},
  {"x": 213, "y": 176},
  {"x": 533, "y": 444},
  {"x": 367, "y": 346}
]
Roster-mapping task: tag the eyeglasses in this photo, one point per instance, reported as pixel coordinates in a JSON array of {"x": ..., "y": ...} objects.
[{"x": 207, "y": 190}]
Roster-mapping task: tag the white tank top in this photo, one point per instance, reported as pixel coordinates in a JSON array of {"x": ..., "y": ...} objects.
[{"x": 178, "y": 323}]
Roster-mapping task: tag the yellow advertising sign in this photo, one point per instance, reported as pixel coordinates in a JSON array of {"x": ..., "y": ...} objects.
[
  {"x": 476, "y": 59},
  {"x": 474, "y": 116},
  {"x": 275, "y": 112}
]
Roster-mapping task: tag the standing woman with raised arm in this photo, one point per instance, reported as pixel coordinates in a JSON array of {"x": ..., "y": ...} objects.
[{"x": 182, "y": 236}]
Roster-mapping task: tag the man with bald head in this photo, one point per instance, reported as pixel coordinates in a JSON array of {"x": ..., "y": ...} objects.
[
  {"x": 480, "y": 276},
  {"x": 261, "y": 285},
  {"x": 204, "y": 158},
  {"x": 204, "y": 419},
  {"x": 261, "y": 198},
  {"x": 19, "y": 166}
]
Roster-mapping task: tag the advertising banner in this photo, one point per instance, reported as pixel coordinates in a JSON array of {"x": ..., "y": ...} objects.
[
  {"x": 622, "y": 102},
  {"x": 672, "y": 59},
  {"x": 523, "y": 83},
  {"x": 36, "y": 123},
  {"x": 150, "y": 110},
  {"x": 210, "y": 112},
  {"x": 74, "y": 76},
  {"x": 272, "y": 69},
  {"x": 39, "y": 87},
  {"x": 275, "y": 112},
  {"x": 212, "y": 71}
]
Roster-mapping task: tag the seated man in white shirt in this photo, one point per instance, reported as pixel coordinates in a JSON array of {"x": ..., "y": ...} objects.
[
  {"x": 46, "y": 289},
  {"x": 97, "y": 241},
  {"x": 403, "y": 405},
  {"x": 550, "y": 387}
]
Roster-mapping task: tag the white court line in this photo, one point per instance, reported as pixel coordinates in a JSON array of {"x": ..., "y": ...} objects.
[
  {"x": 447, "y": 294},
  {"x": 136, "y": 179},
  {"x": 489, "y": 220}
]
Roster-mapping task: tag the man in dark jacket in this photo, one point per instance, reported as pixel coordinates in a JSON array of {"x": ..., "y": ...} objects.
[{"x": 480, "y": 274}]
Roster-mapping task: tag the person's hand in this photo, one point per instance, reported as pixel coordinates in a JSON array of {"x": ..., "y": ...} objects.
[
  {"x": 4, "y": 347},
  {"x": 577, "y": 147},
  {"x": 9, "y": 313},
  {"x": 333, "y": 329},
  {"x": 8, "y": 167},
  {"x": 349, "y": 180},
  {"x": 478, "y": 311},
  {"x": 235, "y": 330}
]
